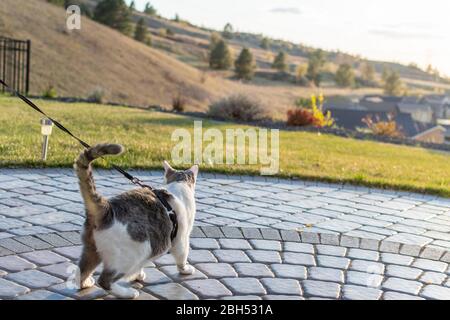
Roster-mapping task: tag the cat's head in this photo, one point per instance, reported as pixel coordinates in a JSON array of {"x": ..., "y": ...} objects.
[{"x": 188, "y": 176}]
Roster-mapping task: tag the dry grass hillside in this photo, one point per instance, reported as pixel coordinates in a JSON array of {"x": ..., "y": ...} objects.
[{"x": 79, "y": 62}]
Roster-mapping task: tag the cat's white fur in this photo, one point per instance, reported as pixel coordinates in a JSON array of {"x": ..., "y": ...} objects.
[{"x": 121, "y": 253}]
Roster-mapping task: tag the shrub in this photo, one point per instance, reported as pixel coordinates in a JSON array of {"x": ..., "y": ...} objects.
[
  {"x": 50, "y": 93},
  {"x": 179, "y": 103},
  {"x": 238, "y": 107},
  {"x": 345, "y": 77},
  {"x": 383, "y": 128},
  {"x": 299, "y": 117},
  {"x": 97, "y": 96}
]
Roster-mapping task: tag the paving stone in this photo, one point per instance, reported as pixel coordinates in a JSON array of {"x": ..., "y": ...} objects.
[
  {"x": 15, "y": 264},
  {"x": 363, "y": 254},
  {"x": 27, "y": 231},
  {"x": 253, "y": 270},
  {"x": 289, "y": 271},
  {"x": 197, "y": 233},
  {"x": 432, "y": 253},
  {"x": 33, "y": 242},
  {"x": 326, "y": 274},
  {"x": 10, "y": 290},
  {"x": 264, "y": 256},
  {"x": 235, "y": 244},
  {"x": 290, "y": 235},
  {"x": 68, "y": 289},
  {"x": 64, "y": 270},
  {"x": 52, "y": 218},
  {"x": 252, "y": 233},
  {"x": 12, "y": 223},
  {"x": 349, "y": 241},
  {"x": 430, "y": 265},
  {"x": 154, "y": 276},
  {"x": 331, "y": 250},
  {"x": 389, "y": 295},
  {"x": 364, "y": 279},
  {"x": 281, "y": 297},
  {"x": 299, "y": 258},
  {"x": 310, "y": 237},
  {"x": 231, "y": 256},
  {"x": 270, "y": 234},
  {"x": 173, "y": 273},
  {"x": 232, "y": 232},
  {"x": 330, "y": 239},
  {"x": 298, "y": 247},
  {"x": 332, "y": 262},
  {"x": 436, "y": 292},
  {"x": 244, "y": 286},
  {"x": 411, "y": 249},
  {"x": 338, "y": 225},
  {"x": 72, "y": 253},
  {"x": 73, "y": 237},
  {"x": 409, "y": 239},
  {"x": 430, "y": 277},
  {"x": 282, "y": 286},
  {"x": 367, "y": 266},
  {"x": 403, "y": 272},
  {"x": 266, "y": 245},
  {"x": 204, "y": 243},
  {"x": 208, "y": 288},
  {"x": 33, "y": 279},
  {"x": 370, "y": 244},
  {"x": 402, "y": 285},
  {"x": 389, "y": 246},
  {"x": 43, "y": 295},
  {"x": 14, "y": 246},
  {"x": 321, "y": 289},
  {"x": 351, "y": 292},
  {"x": 217, "y": 270},
  {"x": 249, "y": 297},
  {"x": 198, "y": 256},
  {"x": 392, "y": 258},
  {"x": 5, "y": 252}
]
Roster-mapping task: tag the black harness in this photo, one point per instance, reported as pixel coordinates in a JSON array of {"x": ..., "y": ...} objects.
[{"x": 162, "y": 198}]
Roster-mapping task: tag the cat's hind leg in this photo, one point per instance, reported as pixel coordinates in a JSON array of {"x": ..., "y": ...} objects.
[
  {"x": 89, "y": 260},
  {"x": 180, "y": 252},
  {"x": 109, "y": 281}
]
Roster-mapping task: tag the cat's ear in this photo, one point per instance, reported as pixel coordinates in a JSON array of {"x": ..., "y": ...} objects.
[
  {"x": 194, "y": 170},
  {"x": 167, "y": 167}
]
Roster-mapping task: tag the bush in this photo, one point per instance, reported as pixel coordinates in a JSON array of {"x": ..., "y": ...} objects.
[
  {"x": 383, "y": 128},
  {"x": 299, "y": 117},
  {"x": 50, "y": 93},
  {"x": 238, "y": 107},
  {"x": 97, "y": 96},
  {"x": 345, "y": 77},
  {"x": 179, "y": 103}
]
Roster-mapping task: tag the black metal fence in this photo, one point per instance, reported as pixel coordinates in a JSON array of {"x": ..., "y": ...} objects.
[{"x": 15, "y": 64}]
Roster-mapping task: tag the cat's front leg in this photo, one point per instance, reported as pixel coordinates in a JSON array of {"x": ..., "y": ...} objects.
[{"x": 180, "y": 252}]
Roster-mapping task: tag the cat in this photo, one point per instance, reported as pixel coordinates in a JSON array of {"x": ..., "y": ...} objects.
[{"x": 126, "y": 231}]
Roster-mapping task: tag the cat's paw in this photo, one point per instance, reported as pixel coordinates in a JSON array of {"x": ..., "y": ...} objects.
[
  {"x": 87, "y": 283},
  {"x": 124, "y": 292},
  {"x": 141, "y": 276},
  {"x": 186, "y": 270}
]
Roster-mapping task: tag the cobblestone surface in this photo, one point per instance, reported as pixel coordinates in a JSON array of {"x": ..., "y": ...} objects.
[{"x": 253, "y": 239}]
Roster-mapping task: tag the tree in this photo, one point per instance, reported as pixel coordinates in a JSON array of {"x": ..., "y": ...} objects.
[
  {"x": 140, "y": 33},
  {"x": 392, "y": 83},
  {"x": 345, "y": 77},
  {"x": 149, "y": 9},
  {"x": 132, "y": 6},
  {"x": 220, "y": 56},
  {"x": 315, "y": 64},
  {"x": 177, "y": 18},
  {"x": 368, "y": 72},
  {"x": 279, "y": 62},
  {"x": 265, "y": 43},
  {"x": 228, "y": 31},
  {"x": 214, "y": 40},
  {"x": 245, "y": 65},
  {"x": 113, "y": 13}
]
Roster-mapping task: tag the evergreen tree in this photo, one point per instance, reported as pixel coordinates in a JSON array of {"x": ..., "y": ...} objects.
[
  {"x": 140, "y": 33},
  {"x": 149, "y": 9},
  {"x": 245, "y": 65},
  {"x": 393, "y": 84},
  {"x": 315, "y": 64},
  {"x": 220, "y": 56},
  {"x": 265, "y": 43},
  {"x": 279, "y": 62},
  {"x": 368, "y": 72},
  {"x": 345, "y": 77},
  {"x": 228, "y": 31},
  {"x": 132, "y": 6},
  {"x": 113, "y": 13}
]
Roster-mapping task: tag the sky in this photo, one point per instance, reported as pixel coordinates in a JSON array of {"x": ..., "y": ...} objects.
[{"x": 390, "y": 30}]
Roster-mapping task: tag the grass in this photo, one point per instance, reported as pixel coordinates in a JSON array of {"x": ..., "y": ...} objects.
[{"x": 147, "y": 138}]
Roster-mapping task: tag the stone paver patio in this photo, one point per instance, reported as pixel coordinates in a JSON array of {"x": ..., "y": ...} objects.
[{"x": 255, "y": 238}]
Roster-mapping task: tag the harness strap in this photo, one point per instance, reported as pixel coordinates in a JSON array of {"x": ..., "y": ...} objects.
[{"x": 136, "y": 181}]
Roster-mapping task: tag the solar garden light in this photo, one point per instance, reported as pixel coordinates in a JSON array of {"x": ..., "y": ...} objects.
[{"x": 46, "y": 130}]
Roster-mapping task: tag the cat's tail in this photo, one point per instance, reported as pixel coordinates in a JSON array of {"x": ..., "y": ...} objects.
[{"x": 94, "y": 202}]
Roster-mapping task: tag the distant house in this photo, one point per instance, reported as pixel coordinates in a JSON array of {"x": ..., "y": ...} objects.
[
  {"x": 353, "y": 120},
  {"x": 440, "y": 105},
  {"x": 445, "y": 123},
  {"x": 418, "y": 109}
]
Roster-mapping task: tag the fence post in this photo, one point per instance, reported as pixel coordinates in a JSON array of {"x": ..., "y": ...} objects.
[{"x": 27, "y": 86}]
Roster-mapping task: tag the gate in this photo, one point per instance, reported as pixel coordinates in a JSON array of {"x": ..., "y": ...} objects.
[{"x": 15, "y": 64}]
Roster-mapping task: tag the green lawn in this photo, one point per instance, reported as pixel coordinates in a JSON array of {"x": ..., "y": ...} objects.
[{"x": 147, "y": 138}]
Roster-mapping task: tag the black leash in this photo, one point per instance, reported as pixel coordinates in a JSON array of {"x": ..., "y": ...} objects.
[{"x": 134, "y": 180}]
